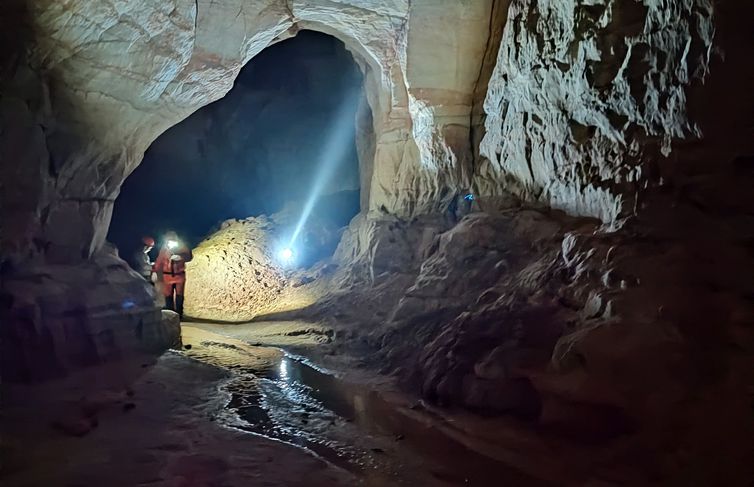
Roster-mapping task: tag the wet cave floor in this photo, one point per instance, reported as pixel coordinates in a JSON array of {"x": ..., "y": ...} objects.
[{"x": 223, "y": 412}]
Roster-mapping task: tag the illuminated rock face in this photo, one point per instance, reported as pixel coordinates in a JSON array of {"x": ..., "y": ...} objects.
[
  {"x": 570, "y": 105},
  {"x": 585, "y": 97},
  {"x": 239, "y": 272},
  {"x": 235, "y": 275}
]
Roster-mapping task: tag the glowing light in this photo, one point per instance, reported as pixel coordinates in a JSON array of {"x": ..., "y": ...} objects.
[
  {"x": 469, "y": 197},
  {"x": 172, "y": 244},
  {"x": 336, "y": 147},
  {"x": 286, "y": 255}
]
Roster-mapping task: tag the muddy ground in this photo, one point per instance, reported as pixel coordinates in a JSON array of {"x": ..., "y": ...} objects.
[{"x": 231, "y": 409}]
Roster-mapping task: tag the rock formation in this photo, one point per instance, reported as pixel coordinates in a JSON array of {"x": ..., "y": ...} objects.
[
  {"x": 100, "y": 109},
  {"x": 87, "y": 88},
  {"x": 237, "y": 273},
  {"x": 58, "y": 317},
  {"x": 252, "y": 151},
  {"x": 584, "y": 96}
]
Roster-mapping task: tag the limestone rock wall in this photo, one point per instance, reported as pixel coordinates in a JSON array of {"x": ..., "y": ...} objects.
[{"x": 586, "y": 98}]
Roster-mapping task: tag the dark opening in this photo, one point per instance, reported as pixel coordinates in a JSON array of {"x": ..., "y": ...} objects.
[{"x": 258, "y": 150}]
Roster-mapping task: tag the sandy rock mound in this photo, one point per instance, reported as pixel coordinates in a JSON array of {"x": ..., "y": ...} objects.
[{"x": 234, "y": 275}]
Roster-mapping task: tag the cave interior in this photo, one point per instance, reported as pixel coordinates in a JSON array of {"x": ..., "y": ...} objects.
[{"x": 427, "y": 242}]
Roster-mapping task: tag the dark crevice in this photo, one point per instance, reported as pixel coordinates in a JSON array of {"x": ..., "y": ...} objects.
[
  {"x": 196, "y": 16},
  {"x": 490, "y": 51}
]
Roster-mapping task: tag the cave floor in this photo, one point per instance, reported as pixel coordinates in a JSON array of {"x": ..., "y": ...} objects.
[
  {"x": 157, "y": 430},
  {"x": 453, "y": 445},
  {"x": 226, "y": 412}
]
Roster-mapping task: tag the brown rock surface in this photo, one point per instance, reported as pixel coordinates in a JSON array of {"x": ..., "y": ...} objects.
[{"x": 235, "y": 274}]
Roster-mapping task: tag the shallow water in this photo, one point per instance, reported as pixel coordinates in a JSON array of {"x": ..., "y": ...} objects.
[{"x": 281, "y": 397}]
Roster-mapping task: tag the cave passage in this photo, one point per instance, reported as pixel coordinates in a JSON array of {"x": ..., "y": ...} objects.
[{"x": 261, "y": 149}]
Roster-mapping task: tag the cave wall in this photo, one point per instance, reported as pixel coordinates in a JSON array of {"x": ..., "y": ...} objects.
[
  {"x": 255, "y": 150},
  {"x": 585, "y": 96},
  {"x": 100, "y": 82},
  {"x": 628, "y": 336},
  {"x": 581, "y": 110},
  {"x": 597, "y": 108},
  {"x": 585, "y": 107}
]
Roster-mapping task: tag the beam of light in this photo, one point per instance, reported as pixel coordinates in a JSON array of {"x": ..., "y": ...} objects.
[{"x": 335, "y": 148}]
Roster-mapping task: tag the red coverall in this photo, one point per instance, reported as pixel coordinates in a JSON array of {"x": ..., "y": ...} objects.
[{"x": 173, "y": 275}]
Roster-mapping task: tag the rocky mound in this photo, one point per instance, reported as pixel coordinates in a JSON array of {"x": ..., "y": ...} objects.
[{"x": 234, "y": 275}]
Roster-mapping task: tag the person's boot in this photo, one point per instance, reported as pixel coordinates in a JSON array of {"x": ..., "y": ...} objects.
[
  {"x": 169, "y": 304},
  {"x": 179, "y": 304}
]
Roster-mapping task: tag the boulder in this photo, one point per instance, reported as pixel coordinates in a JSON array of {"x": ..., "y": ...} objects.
[{"x": 57, "y": 318}]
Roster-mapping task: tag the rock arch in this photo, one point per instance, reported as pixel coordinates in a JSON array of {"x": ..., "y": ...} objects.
[{"x": 109, "y": 78}]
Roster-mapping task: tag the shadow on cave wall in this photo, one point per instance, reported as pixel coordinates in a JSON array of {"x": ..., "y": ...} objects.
[{"x": 256, "y": 151}]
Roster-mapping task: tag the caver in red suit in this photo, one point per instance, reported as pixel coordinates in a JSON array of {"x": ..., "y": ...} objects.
[{"x": 171, "y": 264}]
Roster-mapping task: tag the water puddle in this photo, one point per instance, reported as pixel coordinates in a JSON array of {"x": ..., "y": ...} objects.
[{"x": 278, "y": 396}]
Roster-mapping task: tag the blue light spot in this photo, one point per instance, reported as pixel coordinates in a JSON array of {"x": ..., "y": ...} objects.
[
  {"x": 469, "y": 197},
  {"x": 128, "y": 304}
]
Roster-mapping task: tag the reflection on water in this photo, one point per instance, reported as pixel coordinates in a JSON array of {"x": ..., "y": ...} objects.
[
  {"x": 275, "y": 395},
  {"x": 284, "y": 370}
]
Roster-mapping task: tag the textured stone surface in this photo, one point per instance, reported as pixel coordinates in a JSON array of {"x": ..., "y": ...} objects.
[
  {"x": 608, "y": 341},
  {"x": 586, "y": 95},
  {"x": 57, "y": 318},
  {"x": 234, "y": 275}
]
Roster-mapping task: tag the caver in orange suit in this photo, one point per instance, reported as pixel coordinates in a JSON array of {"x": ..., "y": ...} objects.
[{"x": 171, "y": 263}]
